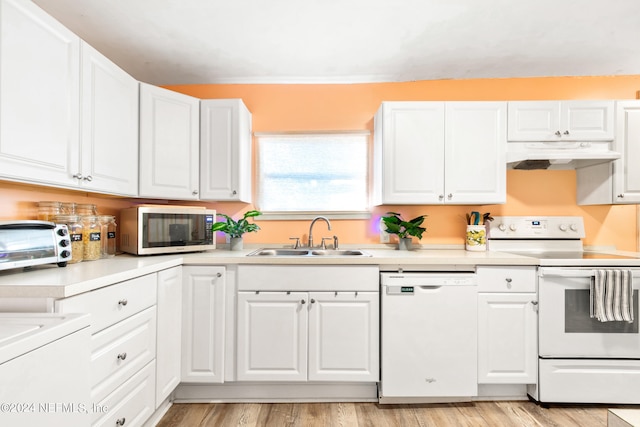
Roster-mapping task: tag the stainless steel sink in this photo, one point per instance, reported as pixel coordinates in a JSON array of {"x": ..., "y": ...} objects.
[
  {"x": 308, "y": 252},
  {"x": 339, "y": 252}
]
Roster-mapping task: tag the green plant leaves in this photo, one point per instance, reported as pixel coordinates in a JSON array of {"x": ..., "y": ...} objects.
[
  {"x": 237, "y": 228},
  {"x": 396, "y": 225}
]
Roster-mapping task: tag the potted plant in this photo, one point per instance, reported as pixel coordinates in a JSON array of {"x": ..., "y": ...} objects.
[
  {"x": 404, "y": 229},
  {"x": 235, "y": 229}
]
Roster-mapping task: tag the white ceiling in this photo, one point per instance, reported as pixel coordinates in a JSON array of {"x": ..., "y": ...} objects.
[{"x": 336, "y": 41}]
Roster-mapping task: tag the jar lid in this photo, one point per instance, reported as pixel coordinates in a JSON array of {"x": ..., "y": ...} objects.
[
  {"x": 89, "y": 217},
  {"x": 66, "y": 218},
  {"x": 50, "y": 204}
]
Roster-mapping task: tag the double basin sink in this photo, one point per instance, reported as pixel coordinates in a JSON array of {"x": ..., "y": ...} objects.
[{"x": 309, "y": 252}]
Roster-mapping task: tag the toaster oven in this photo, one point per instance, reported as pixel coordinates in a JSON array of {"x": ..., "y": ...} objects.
[{"x": 29, "y": 242}]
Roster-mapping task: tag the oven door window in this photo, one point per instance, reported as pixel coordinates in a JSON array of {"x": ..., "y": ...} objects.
[{"x": 577, "y": 316}]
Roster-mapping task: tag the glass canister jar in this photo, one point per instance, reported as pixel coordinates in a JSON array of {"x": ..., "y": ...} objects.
[
  {"x": 91, "y": 233},
  {"x": 68, "y": 208},
  {"x": 74, "y": 225},
  {"x": 48, "y": 210},
  {"x": 108, "y": 230},
  {"x": 83, "y": 209}
]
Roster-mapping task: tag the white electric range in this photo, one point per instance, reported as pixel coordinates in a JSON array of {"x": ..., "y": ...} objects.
[{"x": 581, "y": 359}]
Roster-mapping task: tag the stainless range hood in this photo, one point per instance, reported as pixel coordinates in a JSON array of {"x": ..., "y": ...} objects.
[{"x": 558, "y": 155}]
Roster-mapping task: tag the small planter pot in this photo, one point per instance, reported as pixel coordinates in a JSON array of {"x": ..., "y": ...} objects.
[
  {"x": 236, "y": 244},
  {"x": 405, "y": 244}
]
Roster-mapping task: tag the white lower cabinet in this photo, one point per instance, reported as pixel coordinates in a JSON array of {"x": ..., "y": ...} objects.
[
  {"x": 123, "y": 349},
  {"x": 169, "y": 332},
  {"x": 507, "y": 325},
  {"x": 203, "y": 326},
  {"x": 307, "y": 336}
]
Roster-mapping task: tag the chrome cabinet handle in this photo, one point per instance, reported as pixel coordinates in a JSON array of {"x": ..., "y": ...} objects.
[
  {"x": 303, "y": 302},
  {"x": 78, "y": 176},
  {"x": 566, "y": 132},
  {"x": 88, "y": 178},
  {"x": 508, "y": 280},
  {"x": 218, "y": 274},
  {"x": 122, "y": 356},
  {"x": 194, "y": 192},
  {"x": 621, "y": 196},
  {"x": 123, "y": 302},
  {"x": 449, "y": 196},
  {"x": 313, "y": 301},
  {"x": 234, "y": 192},
  {"x": 441, "y": 196},
  {"x": 558, "y": 133}
]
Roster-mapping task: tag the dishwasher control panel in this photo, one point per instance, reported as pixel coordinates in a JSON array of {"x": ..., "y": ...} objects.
[{"x": 408, "y": 283}]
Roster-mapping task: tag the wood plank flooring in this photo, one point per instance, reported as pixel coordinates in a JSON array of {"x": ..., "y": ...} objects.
[{"x": 498, "y": 414}]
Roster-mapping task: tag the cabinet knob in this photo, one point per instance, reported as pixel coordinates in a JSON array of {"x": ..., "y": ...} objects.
[
  {"x": 218, "y": 274},
  {"x": 566, "y": 132},
  {"x": 88, "y": 178},
  {"x": 441, "y": 196},
  {"x": 313, "y": 300},
  {"x": 303, "y": 302},
  {"x": 194, "y": 192},
  {"x": 535, "y": 305},
  {"x": 78, "y": 176},
  {"x": 621, "y": 196},
  {"x": 234, "y": 192},
  {"x": 121, "y": 421},
  {"x": 123, "y": 302},
  {"x": 558, "y": 133},
  {"x": 449, "y": 196},
  {"x": 122, "y": 356}
]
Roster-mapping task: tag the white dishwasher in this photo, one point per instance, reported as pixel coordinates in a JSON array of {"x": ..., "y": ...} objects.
[{"x": 428, "y": 337}]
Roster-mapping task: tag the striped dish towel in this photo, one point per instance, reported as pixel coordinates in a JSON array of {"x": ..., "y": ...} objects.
[{"x": 611, "y": 296}]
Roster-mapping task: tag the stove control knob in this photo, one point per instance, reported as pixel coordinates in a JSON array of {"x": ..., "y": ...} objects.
[
  {"x": 563, "y": 227},
  {"x": 513, "y": 227},
  {"x": 502, "y": 227},
  {"x": 574, "y": 227}
]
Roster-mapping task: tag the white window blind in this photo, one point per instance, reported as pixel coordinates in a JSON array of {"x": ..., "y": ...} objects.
[{"x": 320, "y": 172}]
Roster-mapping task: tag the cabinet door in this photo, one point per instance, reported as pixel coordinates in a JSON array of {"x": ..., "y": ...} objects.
[
  {"x": 169, "y": 144},
  {"x": 272, "y": 336},
  {"x": 39, "y": 96},
  {"x": 626, "y": 171},
  {"x": 344, "y": 336},
  {"x": 587, "y": 120},
  {"x": 225, "y": 150},
  {"x": 475, "y": 152},
  {"x": 507, "y": 338},
  {"x": 409, "y": 153},
  {"x": 109, "y": 126},
  {"x": 169, "y": 337},
  {"x": 203, "y": 324},
  {"x": 534, "y": 121}
]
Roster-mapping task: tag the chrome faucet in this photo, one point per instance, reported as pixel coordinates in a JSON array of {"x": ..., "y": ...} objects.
[{"x": 311, "y": 228}]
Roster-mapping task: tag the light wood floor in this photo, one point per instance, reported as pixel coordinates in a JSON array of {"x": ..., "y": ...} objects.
[{"x": 498, "y": 414}]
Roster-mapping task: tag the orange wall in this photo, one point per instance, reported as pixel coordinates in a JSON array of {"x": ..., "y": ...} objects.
[{"x": 351, "y": 107}]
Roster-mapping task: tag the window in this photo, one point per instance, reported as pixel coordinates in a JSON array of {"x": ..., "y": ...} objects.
[{"x": 321, "y": 172}]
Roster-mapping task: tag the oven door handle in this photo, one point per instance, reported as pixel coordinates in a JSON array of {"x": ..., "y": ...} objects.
[{"x": 552, "y": 272}]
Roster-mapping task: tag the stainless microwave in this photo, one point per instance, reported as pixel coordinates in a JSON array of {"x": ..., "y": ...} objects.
[{"x": 149, "y": 230}]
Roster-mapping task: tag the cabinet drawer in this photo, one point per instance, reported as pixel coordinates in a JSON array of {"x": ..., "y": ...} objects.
[
  {"x": 506, "y": 279},
  {"x": 111, "y": 304},
  {"x": 131, "y": 404},
  {"x": 121, "y": 350}
]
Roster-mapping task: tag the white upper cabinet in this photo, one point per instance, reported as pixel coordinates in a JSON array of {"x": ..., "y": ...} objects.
[
  {"x": 475, "y": 152},
  {"x": 68, "y": 116},
  {"x": 169, "y": 144},
  {"x": 225, "y": 150},
  {"x": 561, "y": 121},
  {"x": 109, "y": 125},
  {"x": 440, "y": 152},
  {"x": 617, "y": 182},
  {"x": 39, "y": 96}
]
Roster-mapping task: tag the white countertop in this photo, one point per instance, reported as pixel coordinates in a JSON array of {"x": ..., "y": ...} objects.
[{"x": 50, "y": 281}]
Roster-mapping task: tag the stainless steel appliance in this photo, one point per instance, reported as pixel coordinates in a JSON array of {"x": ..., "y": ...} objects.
[
  {"x": 428, "y": 337},
  {"x": 148, "y": 230},
  {"x": 28, "y": 242},
  {"x": 581, "y": 359}
]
